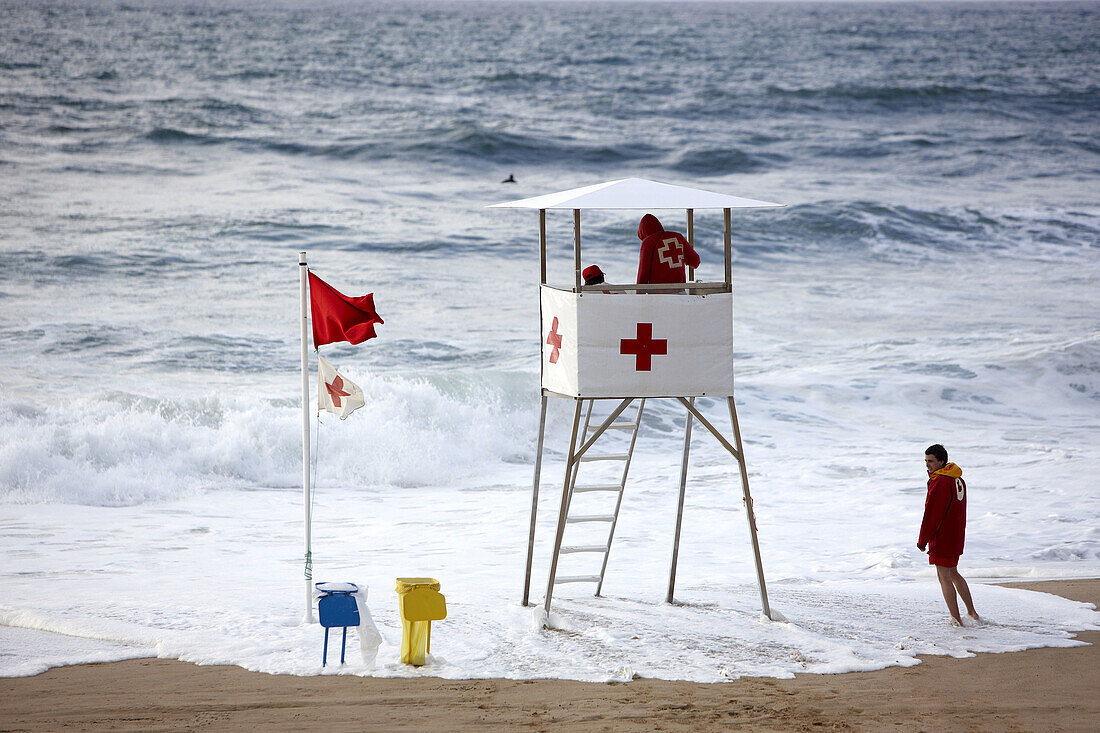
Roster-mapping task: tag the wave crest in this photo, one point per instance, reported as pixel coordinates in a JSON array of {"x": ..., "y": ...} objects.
[{"x": 122, "y": 448}]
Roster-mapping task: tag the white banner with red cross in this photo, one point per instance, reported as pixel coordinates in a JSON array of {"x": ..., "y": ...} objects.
[{"x": 653, "y": 345}]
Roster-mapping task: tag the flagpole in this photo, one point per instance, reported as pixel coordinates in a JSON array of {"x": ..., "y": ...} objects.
[{"x": 302, "y": 270}]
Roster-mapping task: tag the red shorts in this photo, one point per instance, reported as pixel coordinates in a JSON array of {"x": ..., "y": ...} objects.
[{"x": 943, "y": 561}]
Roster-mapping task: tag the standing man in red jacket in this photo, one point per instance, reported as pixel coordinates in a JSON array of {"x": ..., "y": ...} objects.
[
  {"x": 663, "y": 254},
  {"x": 944, "y": 528}
]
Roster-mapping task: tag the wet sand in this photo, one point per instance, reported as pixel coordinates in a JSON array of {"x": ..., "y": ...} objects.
[{"x": 1034, "y": 690}]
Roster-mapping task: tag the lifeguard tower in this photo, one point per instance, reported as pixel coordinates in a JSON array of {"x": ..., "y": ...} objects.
[{"x": 629, "y": 343}]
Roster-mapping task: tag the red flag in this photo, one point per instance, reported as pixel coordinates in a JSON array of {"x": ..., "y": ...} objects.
[{"x": 336, "y": 317}]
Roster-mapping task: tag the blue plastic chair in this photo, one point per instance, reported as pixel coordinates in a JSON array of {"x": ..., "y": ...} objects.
[{"x": 336, "y": 607}]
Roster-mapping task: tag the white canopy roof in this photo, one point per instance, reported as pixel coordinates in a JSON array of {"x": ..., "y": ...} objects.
[{"x": 635, "y": 193}]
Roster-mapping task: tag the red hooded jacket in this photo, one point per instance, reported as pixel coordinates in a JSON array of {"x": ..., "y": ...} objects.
[
  {"x": 944, "y": 525},
  {"x": 663, "y": 254}
]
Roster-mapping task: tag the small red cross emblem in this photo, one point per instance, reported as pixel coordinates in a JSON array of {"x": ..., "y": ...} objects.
[
  {"x": 644, "y": 347},
  {"x": 676, "y": 259},
  {"x": 554, "y": 339},
  {"x": 336, "y": 390}
]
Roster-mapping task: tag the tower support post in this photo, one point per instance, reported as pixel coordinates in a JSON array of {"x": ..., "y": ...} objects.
[
  {"x": 534, "y": 503},
  {"x": 670, "y": 596},
  {"x": 564, "y": 510},
  {"x": 749, "y": 514}
]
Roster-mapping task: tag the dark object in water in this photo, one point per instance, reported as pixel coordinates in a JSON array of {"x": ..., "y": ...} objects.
[{"x": 510, "y": 179}]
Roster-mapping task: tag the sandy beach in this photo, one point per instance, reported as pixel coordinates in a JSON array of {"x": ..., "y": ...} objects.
[{"x": 1038, "y": 689}]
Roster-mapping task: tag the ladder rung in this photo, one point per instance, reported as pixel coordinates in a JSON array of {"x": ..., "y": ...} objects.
[
  {"x": 590, "y": 518},
  {"x": 597, "y": 487},
  {"x": 577, "y": 579},
  {"x": 583, "y": 548},
  {"x": 604, "y": 457},
  {"x": 615, "y": 426}
]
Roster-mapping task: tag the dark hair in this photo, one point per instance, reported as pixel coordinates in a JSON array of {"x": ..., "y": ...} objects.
[
  {"x": 937, "y": 451},
  {"x": 594, "y": 279}
]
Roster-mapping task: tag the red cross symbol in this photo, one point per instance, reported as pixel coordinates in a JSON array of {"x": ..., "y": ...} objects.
[
  {"x": 671, "y": 244},
  {"x": 336, "y": 390},
  {"x": 644, "y": 347},
  {"x": 554, "y": 339}
]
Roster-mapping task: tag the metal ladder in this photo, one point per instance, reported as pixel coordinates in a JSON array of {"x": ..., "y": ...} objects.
[{"x": 629, "y": 423}]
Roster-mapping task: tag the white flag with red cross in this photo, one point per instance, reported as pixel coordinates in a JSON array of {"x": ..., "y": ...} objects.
[
  {"x": 653, "y": 345},
  {"x": 336, "y": 393}
]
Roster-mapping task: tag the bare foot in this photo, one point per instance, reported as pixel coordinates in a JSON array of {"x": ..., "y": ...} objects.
[{"x": 956, "y": 621}]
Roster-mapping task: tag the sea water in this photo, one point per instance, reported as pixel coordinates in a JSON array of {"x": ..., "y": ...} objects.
[{"x": 933, "y": 278}]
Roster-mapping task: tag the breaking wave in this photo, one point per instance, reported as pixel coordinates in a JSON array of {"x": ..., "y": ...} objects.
[{"x": 123, "y": 448}]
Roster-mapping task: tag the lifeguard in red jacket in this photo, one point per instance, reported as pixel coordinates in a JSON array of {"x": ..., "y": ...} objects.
[
  {"x": 943, "y": 529},
  {"x": 664, "y": 254}
]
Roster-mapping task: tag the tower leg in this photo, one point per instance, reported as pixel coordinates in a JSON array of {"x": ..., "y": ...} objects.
[
  {"x": 534, "y": 504},
  {"x": 748, "y": 509},
  {"x": 569, "y": 461},
  {"x": 679, "y": 507}
]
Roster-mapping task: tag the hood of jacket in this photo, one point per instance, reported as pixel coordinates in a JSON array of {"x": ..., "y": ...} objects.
[
  {"x": 649, "y": 225},
  {"x": 950, "y": 470}
]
